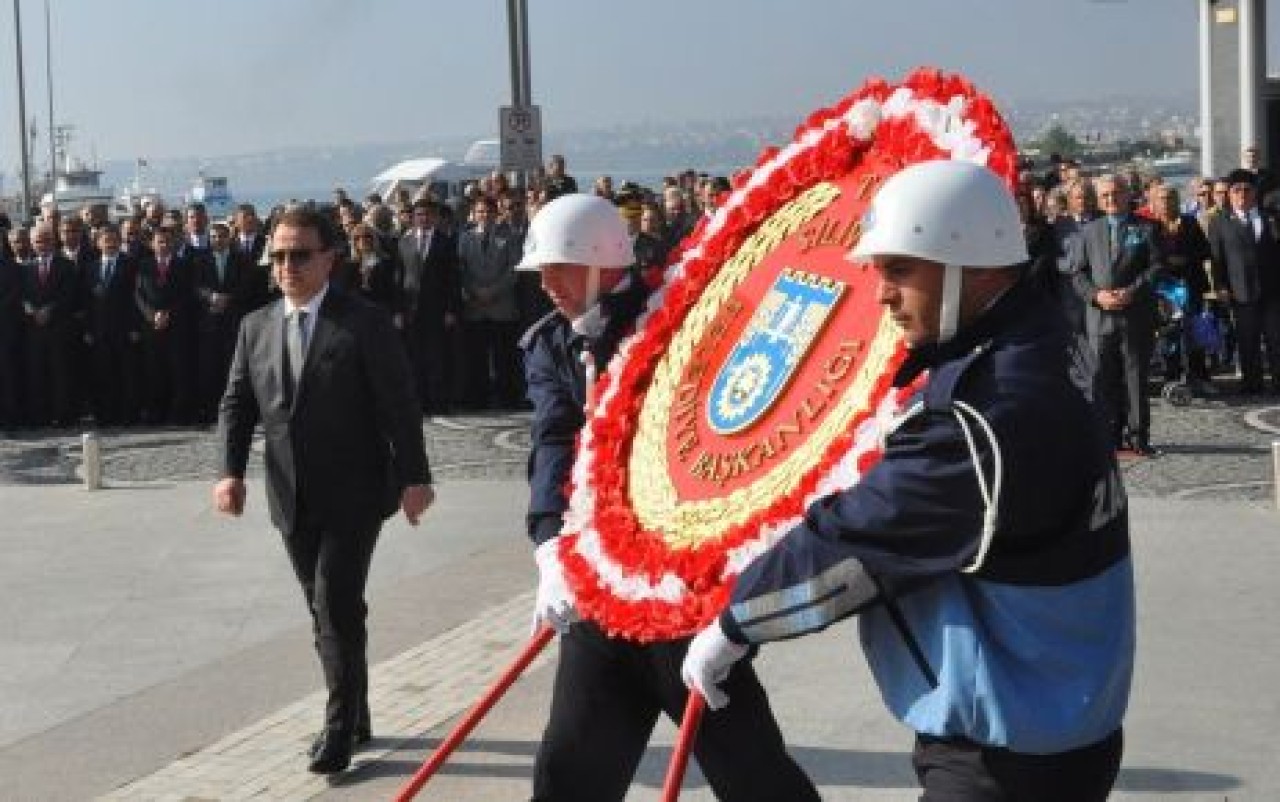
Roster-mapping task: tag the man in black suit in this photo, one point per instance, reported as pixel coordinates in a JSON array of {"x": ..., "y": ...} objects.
[
  {"x": 112, "y": 332},
  {"x": 223, "y": 287},
  {"x": 1114, "y": 262},
  {"x": 327, "y": 377},
  {"x": 166, "y": 299},
  {"x": 11, "y": 267},
  {"x": 430, "y": 300},
  {"x": 76, "y": 243},
  {"x": 49, "y": 297},
  {"x": 1244, "y": 245}
]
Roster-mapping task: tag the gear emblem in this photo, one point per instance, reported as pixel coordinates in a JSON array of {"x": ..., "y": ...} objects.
[{"x": 747, "y": 381}]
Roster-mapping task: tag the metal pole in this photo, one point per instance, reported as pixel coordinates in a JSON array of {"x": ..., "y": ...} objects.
[
  {"x": 513, "y": 51},
  {"x": 526, "y": 78},
  {"x": 22, "y": 114},
  {"x": 49, "y": 129},
  {"x": 1207, "y": 160},
  {"x": 1275, "y": 470},
  {"x": 1249, "y": 74}
]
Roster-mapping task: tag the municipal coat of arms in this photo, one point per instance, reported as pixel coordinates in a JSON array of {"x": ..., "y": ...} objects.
[{"x": 773, "y": 344}]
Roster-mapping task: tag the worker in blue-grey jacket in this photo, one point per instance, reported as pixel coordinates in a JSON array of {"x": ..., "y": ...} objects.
[
  {"x": 987, "y": 552},
  {"x": 609, "y": 692}
]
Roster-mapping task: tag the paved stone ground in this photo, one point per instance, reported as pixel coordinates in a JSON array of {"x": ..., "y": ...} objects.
[
  {"x": 1214, "y": 448},
  {"x": 1215, "y": 472},
  {"x": 460, "y": 447}
]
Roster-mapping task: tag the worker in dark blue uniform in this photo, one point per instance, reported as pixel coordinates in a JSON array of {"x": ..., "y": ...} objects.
[
  {"x": 608, "y": 691},
  {"x": 987, "y": 552}
]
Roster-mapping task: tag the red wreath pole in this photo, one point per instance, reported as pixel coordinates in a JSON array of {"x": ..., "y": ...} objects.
[
  {"x": 693, "y": 710},
  {"x": 476, "y": 714}
]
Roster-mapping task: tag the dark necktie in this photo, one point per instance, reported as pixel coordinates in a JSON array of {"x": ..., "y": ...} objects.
[
  {"x": 44, "y": 271},
  {"x": 107, "y": 266},
  {"x": 162, "y": 272},
  {"x": 296, "y": 342}
]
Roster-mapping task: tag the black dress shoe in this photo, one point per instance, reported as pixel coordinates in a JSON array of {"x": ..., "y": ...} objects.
[
  {"x": 332, "y": 753},
  {"x": 363, "y": 736}
]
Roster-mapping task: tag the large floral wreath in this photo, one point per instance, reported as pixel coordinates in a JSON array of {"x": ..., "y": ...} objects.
[{"x": 629, "y": 579}]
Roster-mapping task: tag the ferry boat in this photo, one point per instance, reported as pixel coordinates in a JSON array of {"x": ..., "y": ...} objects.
[
  {"x": 76, "y": 185},
  {"x": 213, "y": 192}
]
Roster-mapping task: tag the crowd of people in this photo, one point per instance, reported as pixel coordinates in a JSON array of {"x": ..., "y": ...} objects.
[
  {"x": 134, "y": 322},
  {"x": 1188, "y": 284}
]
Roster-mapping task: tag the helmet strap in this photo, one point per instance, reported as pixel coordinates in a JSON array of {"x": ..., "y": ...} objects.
[
  {"x": 949, "y": 314},
  {"x": 593, "y": 287}
]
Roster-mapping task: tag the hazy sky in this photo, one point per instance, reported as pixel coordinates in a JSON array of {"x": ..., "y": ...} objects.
[{"x": 154, "y": 78}]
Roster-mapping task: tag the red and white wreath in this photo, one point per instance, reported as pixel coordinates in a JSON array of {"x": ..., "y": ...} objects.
[{"x": 628, "y": 578}]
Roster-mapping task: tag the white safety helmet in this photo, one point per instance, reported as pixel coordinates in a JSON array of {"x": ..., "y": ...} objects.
[
  {"x": 577, "y": 229},
  {"x": 956, "y": 213}
]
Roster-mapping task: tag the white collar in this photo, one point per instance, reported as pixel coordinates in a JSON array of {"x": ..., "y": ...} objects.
[{"x": 312, "y": 306}]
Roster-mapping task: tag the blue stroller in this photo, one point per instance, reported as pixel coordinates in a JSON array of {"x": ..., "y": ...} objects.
[{"x": 1177, "y": 333}]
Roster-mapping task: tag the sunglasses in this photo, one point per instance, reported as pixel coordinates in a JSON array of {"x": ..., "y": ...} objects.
[{"x": 297, "y": 256}]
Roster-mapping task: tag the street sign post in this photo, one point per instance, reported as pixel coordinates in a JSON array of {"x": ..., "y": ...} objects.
[{"x": 520, "y": 130}]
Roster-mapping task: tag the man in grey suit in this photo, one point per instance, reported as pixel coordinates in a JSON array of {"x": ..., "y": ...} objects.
[
  {"x": 486, "y": 269},
  {"x": 1114, "y": 262},
  {"x": 326, "y": 375}
]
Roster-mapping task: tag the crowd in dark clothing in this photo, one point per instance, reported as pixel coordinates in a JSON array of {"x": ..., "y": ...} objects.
[
  {"x": 134, "y": 322},
  {"x": 1191, "y": 289}
]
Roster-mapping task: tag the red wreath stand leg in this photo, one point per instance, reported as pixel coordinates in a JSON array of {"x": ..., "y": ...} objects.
[
  {"x": 475, "y": 715},
  {"x": 693, "y": 710}
]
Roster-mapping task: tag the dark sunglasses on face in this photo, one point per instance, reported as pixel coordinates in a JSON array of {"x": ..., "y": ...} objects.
[{"x": 297, "y": 256}]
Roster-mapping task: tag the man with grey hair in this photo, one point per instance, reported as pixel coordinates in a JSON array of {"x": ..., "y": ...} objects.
[
  {"x": 1114, "y": 264},
  {"x": 49, "y": 294}
]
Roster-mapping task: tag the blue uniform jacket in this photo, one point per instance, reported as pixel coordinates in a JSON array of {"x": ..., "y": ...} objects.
[
  {"x": 1031, "y": 650},
  {"x": 557, "y": 389}
]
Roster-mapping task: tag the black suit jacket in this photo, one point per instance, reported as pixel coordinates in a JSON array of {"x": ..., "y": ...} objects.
[
  {"x": 110, "y": 312},
  {"x": 429, "y": 287},
  {"x": 351, "y": 438},
  {"x": 59, "y": 294},
  {"x": 236, "y": 281},
  {"x": 175, "y": 293},
  {"x": 1248, "y": 267}
]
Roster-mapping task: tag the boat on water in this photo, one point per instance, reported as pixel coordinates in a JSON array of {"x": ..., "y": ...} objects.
[
  {"x": 444, "y": 178},
  {"x": 212, "y": 191},
  {"x": 77, "y": 184},
  {"x": 1178, "y": 164}
]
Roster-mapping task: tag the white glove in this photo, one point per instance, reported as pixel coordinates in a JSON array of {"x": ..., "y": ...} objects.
[
  {"x": 554, "y": 603},
  {"x": 707, "y": 664}
]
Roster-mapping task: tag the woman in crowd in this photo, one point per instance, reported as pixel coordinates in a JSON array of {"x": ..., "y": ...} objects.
[
  {"x": 1185, "y": 249},
  {"x": 369, "y": 271}
]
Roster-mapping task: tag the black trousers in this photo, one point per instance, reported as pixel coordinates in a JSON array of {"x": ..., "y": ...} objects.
[
  {"x": 332, "y": 567},
  {"x": 1124, "y": 362},
  {"x": 48, "y": 362},
  {"x": 217, "y": 345},
  {"x": 607, "y": 697},
  {"x": 115, "y": 396},
  {"x": 1256, "y": 323},
  {"x": 956, "y": 770},
  {"x": 426, "y": 341},
  {"x": 169, "y": 371},
  {"x": 493, "y": 365}
]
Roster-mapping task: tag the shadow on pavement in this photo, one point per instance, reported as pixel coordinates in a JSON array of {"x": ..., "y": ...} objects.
[{"x": 1159, "y": 780}]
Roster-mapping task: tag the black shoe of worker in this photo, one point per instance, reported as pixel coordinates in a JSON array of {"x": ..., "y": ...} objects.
[{"x": 332, "y": 752}]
